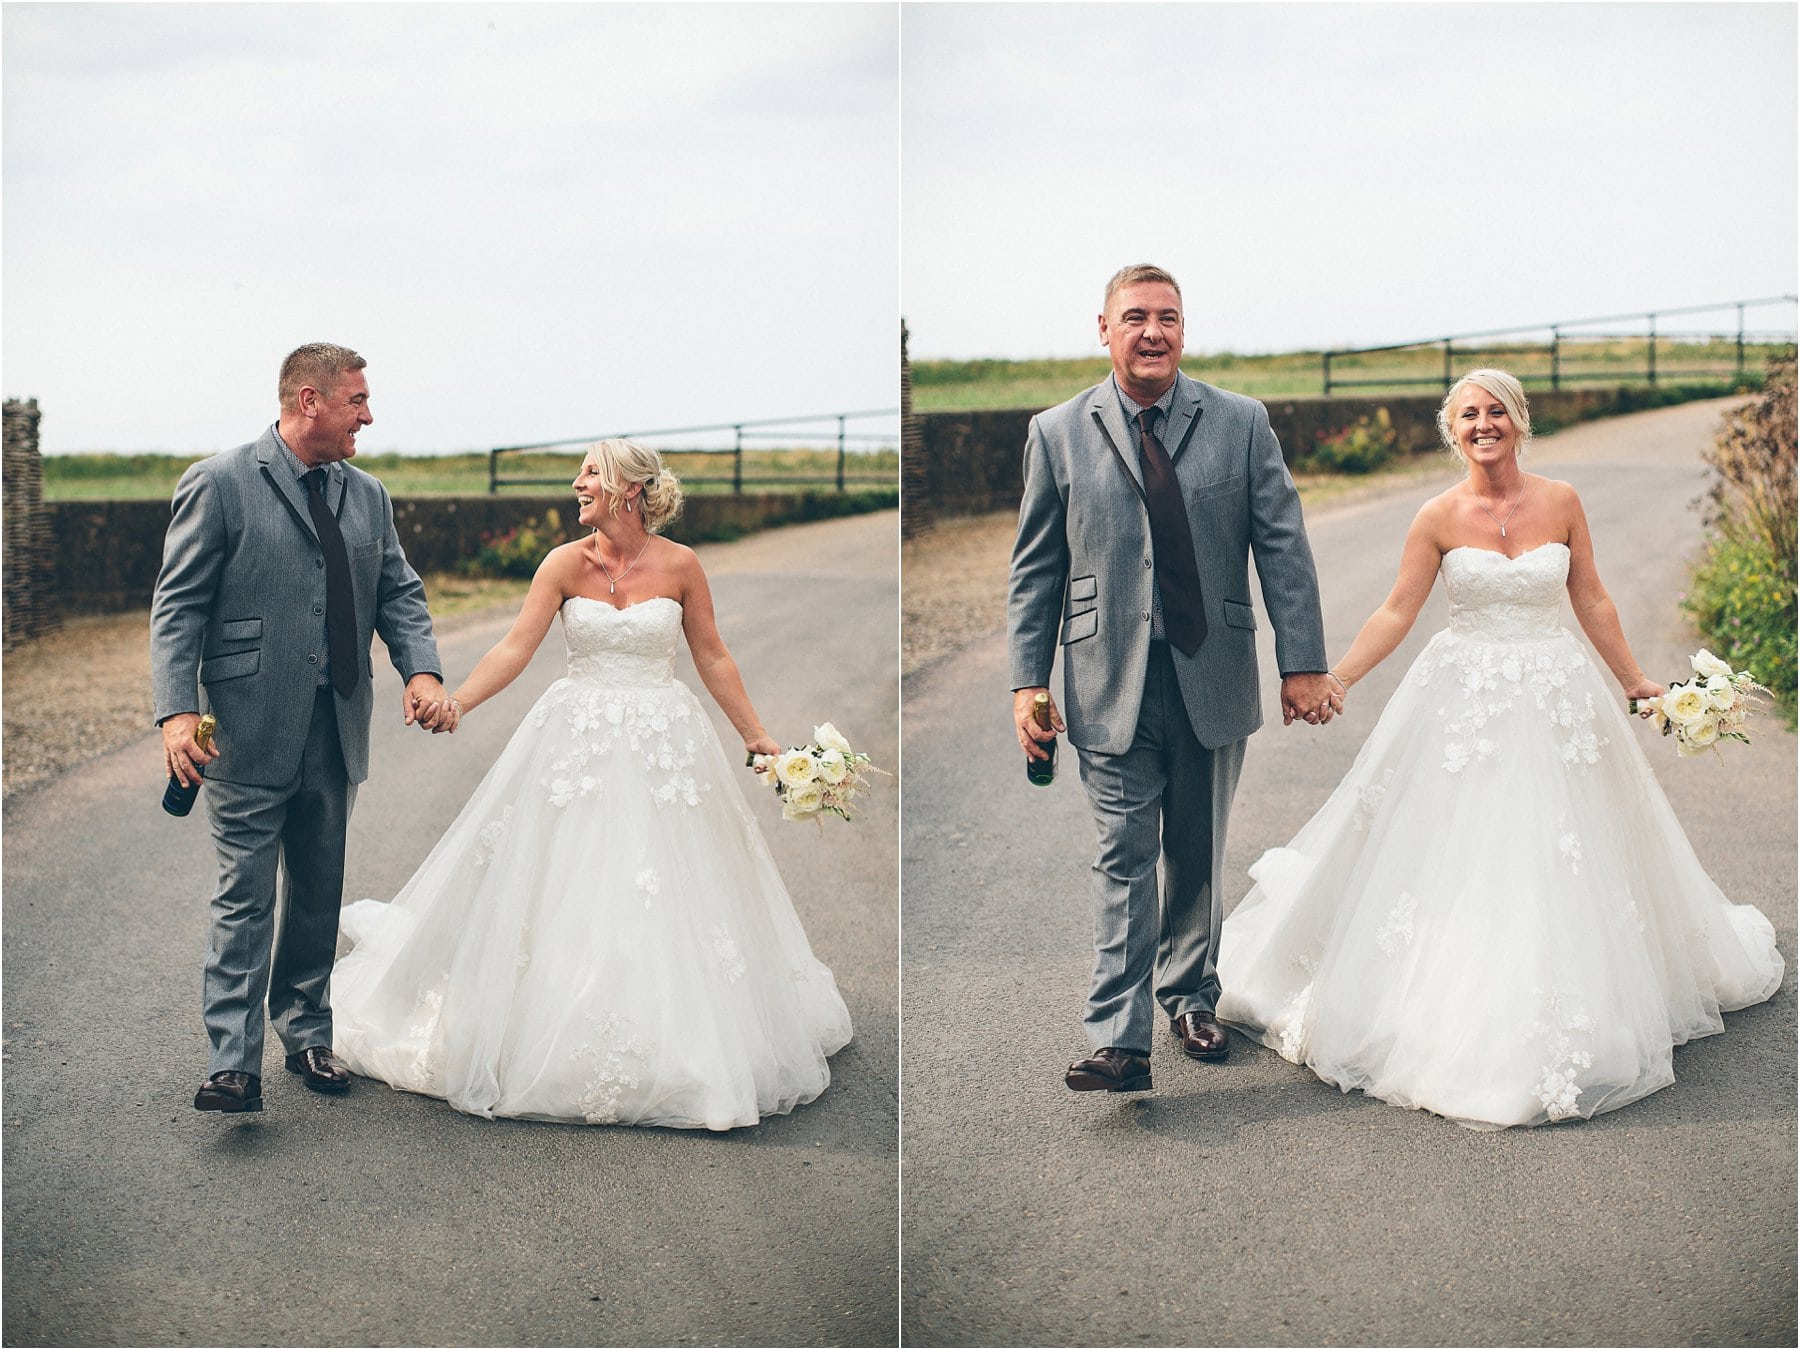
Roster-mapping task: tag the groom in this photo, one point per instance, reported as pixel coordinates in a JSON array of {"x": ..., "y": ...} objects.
[
  {"x": 1144, "y": 498},
  {"x": 279, "y": 565}
]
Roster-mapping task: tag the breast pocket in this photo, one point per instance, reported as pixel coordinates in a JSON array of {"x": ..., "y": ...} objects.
[{"x": 1224, "y": 487}]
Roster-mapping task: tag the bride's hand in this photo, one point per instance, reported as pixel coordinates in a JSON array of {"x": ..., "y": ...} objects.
[
  {"x": 1643, "y": 688},
  {"x": 761, "y": 745}
]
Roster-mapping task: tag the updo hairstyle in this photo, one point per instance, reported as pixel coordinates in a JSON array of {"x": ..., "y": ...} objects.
[{"x": 622, "y": 463}]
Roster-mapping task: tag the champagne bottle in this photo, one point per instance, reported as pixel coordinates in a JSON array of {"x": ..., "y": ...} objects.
[
  {"x": 1042, "y": 772},
  {"x": 178, "y": 800}
]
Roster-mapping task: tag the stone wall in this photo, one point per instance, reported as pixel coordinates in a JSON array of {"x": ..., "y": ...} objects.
[
  {"x": 31, "y": 608},
  {"x": 970, "y": 463},
  {"x": 915, "y": 498},
  {"x": 106, "y": 554}
]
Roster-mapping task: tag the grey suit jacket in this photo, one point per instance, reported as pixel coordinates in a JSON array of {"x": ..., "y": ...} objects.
[
  {"x": 1083, "y": 571},
  {"x": 238, "y": 616}
]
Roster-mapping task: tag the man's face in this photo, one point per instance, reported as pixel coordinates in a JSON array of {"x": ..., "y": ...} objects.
[
  {"x": 1142, "y": 330},
  {"x": 337, "y": 417}
]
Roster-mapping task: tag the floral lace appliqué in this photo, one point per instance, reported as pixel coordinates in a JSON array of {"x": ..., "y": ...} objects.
[
  {"x": 1565, "y": 1031},
  {"x": 617, "y": 1052},
  {"x": 727, "y": 953},
  {"x": 1397, "y": 932}
]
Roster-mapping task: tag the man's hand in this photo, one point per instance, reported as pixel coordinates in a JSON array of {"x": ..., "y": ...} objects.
[
  {"x": 1031, "y": 735},
  {"x": 426, "y": 703},
  {"x": 182, "y": 754},
  {"x": 1314, "y": 699}
]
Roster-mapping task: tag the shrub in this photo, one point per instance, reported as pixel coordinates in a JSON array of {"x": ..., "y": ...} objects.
[
  {"x": 1742, "y": 595},
  {"x": 515, "y": 552},
  {"x": 1364, "y": 446}
]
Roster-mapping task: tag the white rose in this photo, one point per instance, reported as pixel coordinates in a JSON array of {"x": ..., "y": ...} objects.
[
  {"x": 1701, "y": 734},
  {"x": 803, "y": 802},
  {"x": 833, "y": 767},
  {"x": 794, "y": 767},
  {"x": 1687, "y": 706},
  {"x": 829, "y": 737},
  {"x": 1707, "y": 665},
  {"x": 1719, "y": 694}
]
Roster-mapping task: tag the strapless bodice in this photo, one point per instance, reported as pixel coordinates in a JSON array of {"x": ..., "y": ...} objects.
[
  {"x": 630, "y": 646},
  {"x": 1506, "y": 599}
]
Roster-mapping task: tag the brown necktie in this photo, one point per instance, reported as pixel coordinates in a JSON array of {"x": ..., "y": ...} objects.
[
  {"x": 340, "y": 602},
  {"x": 1177, "y": 573}
]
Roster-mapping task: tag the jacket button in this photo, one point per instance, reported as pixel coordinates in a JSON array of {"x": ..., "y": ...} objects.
[
  {"x": 1146, "y": 562},
  {"x": 318, "y": 609},
  {"x": 313, "y": 660},
  {"x": 1146, "y": 616},
  {"x": 318, "y": 562}
]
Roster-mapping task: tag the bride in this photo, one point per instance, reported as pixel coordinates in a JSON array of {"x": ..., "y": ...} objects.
[
  {"x": 601, "y": 935},
  {"x": 1496, "y": 915}
]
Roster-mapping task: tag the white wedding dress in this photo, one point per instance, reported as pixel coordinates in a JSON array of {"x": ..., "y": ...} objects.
[
  {"x": 1496, "y": 915},
  {"x": 601, "y": 935}
]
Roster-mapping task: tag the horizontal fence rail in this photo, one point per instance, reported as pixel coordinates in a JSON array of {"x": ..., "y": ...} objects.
[
  {"x": 776, "y": 432},
  {"x": 1573, "y": 351}
]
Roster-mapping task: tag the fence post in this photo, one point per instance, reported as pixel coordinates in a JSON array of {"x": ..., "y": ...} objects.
[
  {"x": 737, "y": 459},
  {"x": 1449, "y": 369},
  {"x": 1740, "y": 344},
  {"x": 840, "y": 452},
  {"x": 1327, "y": 359},
  {"x": 1555, "y": 357},
  {"x": 493, "y": 472},
  {"x": 1652, "y": 318}
]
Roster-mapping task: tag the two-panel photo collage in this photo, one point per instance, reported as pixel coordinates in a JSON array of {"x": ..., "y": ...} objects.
[{"x": 903, "y": 673}]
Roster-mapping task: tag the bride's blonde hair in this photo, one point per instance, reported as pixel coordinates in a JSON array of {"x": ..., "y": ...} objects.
[{"x": 621, "y": 463}]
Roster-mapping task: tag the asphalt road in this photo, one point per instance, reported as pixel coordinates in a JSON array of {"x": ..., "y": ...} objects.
[
  {"x": 385, "y": 1218},
  {"x": 1248, "y": 1203}
]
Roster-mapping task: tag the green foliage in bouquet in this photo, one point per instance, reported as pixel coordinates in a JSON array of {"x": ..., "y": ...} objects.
[
  {"x": 515, "y": 552},
  {"x": 1362, "y": 447},
  {"x": 1743, "y": 592}
]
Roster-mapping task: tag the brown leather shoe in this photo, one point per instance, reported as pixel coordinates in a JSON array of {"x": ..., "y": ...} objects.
[
  {"x": 230, "y": 1090},
  {"x": 1200, "y": 1035},
  {"x": 1110, "y": 1070},
  {"x": 320, "y": 1069}
]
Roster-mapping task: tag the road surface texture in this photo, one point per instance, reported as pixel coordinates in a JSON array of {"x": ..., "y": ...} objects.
[
  {"x": 385, "y": 1218},
  {"x": 1249, "y": 1203}
]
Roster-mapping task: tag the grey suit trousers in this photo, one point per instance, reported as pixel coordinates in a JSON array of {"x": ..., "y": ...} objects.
[
  {"x": 1167, "y": 796},
  {"x": 277, "y": 843}
]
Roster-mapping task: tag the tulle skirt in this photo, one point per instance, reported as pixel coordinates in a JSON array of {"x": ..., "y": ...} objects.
[
  {"x": 1496, "y": 915},
  {"x": 601, "y": 936}
]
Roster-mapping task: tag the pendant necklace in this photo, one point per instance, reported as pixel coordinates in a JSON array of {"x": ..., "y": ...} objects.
[
  {"x": 1489, "y": 514},
  {"x": 612, "y": 582}
]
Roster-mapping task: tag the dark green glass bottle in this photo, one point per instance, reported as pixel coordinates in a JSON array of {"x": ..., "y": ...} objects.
[{"x": 1041, "y": 772}]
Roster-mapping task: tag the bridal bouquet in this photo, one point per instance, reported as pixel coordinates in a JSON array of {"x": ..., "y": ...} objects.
[
  {"x": 1711, "y": 707},
  {"x": 822, "y": 777}
]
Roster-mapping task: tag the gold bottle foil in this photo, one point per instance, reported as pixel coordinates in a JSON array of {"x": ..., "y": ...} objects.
[{"x": 203, "y": 733}]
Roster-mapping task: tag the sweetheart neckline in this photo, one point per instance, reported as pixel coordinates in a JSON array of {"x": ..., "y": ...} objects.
[
  {"x": 620, "y": 609},
  {"x": 1510, "y": 557}
]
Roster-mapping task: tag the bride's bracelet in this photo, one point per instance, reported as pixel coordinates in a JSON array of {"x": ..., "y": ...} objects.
[{"x": 1342, "y": 682}]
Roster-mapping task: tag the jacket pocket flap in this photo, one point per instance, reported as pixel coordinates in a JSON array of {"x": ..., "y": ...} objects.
[
  {"x": 1083, "y": 588},
  {"x": 1079, "y": 626},
  {"x": 1220, "y": 488},
  {"x": 240, "y": 630},
  {"x": 231, "y": 666},
  {"x": 1239, "y": 615}
]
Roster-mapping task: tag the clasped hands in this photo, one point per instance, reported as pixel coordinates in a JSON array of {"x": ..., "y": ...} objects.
[
  {"x": 1314, "y": 699},
  {"x": 424, "y": 703}
]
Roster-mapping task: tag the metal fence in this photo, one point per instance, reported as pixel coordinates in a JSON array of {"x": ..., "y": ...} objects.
[
  {"x": 770, "y": 432},
  {"x": 1573, "y": 351}
]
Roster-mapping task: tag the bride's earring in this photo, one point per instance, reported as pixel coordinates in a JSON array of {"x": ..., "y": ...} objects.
[{"x": 628, "y": 503}]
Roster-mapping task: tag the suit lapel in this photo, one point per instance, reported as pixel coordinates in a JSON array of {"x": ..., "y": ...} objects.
[
  {"x": 1184, "y": 416},
  {"x": 1109, "y": 420},
  {"x": 290, "y": 489}
]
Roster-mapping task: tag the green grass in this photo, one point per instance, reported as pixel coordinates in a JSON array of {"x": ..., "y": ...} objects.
[
  {"x": 946, "y": 386},
  {"x": 1742, "y": 598},
  {"x": 90, "y": 477}
]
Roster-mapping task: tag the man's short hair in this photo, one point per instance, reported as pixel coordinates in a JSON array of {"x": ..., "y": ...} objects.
[
  {"x": 319, "y": 364},
  {"x": 1131, "y": 276}
]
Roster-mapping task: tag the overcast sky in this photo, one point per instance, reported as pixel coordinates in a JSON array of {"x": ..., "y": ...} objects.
[
  {"x": 1340, "y": 174},
  {"x": 535, "y": 221}
]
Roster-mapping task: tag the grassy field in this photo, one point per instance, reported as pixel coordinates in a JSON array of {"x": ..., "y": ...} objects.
[
  {"x": 943, "y": 386},
  {"x": 127, "y": 477}
]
